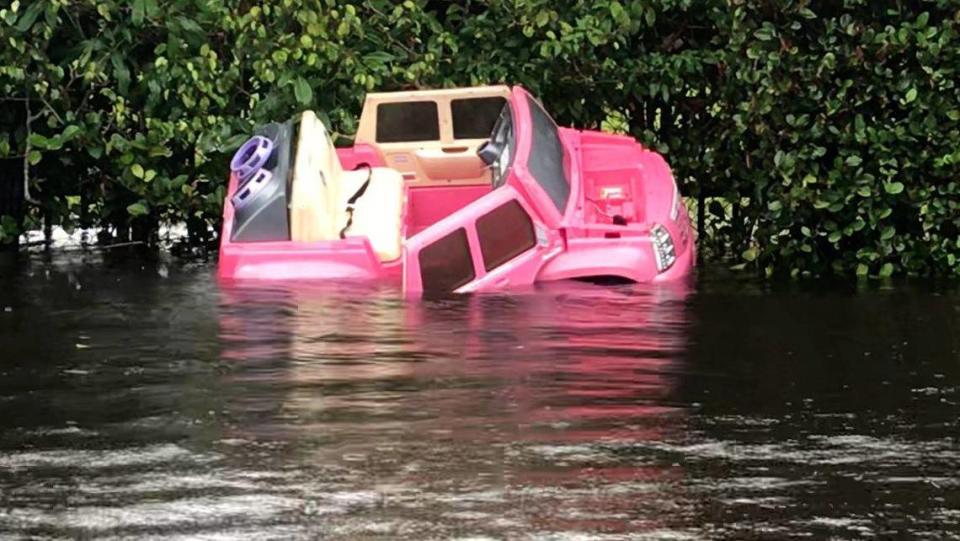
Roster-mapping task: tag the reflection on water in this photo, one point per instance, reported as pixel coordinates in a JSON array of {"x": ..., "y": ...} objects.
[
  {"x": 144, "y": 400},
  {"x": 480, "y": 414}
]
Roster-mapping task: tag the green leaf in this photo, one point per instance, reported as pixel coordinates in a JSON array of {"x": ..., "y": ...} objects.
[
  {"x": 120, "y": 72},
  {"x": 543, "y": 17},
  {"x": 139, "y": 10},
  {"x": 886, "y": 270},
  {"x": 863, "y": 269},
  {"x": 29, "y": 16},
  {"x": 37, "y": 140},
  {"x": 649, "y": 16},
  {"x": 854, "y": 161},
  {"x": 888, "y": 232},
  {"x": 137, "y": 170},
  {"x": 750, "y": 254},
  {"x": 378, "y": 57},
  {"x": 34, "y": 157},
  {"x": 55, "y": 143},
  {"x": 234, "y": 141},
  {"x": 148, "y": 175},
  {"x": 830, "y": 61},
  {"x": 137, "y": 209},
  {"x": 911, "y": 95},
  {"x": 69, "y": 132},
  {"x": 764, "y": 34},
  {"x": 189, "y": 25},
  {"x": 893, "y": 188},
  {"x": 302, "y": 91}
]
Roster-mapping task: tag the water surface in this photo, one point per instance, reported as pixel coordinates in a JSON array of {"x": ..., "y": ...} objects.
[{"x": 140, "y": 399}]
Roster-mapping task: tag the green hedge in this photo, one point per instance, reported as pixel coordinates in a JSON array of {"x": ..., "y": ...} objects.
[{"x": 818, "y": 137}]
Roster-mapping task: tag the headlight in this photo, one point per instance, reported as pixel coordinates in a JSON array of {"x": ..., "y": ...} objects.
[
  {"x": 677, "y": 201},
  {"x": 663, "y": 249}
]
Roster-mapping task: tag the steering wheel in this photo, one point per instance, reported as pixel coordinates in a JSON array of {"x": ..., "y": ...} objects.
[{"x": 492, "y": 150}]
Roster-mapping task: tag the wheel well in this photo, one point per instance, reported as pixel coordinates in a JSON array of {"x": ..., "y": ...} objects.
[{"x": 606, "y": 279}]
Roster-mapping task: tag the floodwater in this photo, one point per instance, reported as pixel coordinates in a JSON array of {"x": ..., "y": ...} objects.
[{"x": 140, "y": 399}]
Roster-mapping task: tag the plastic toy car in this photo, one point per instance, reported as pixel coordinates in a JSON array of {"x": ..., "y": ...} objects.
[{"x": 456, "y": 190}]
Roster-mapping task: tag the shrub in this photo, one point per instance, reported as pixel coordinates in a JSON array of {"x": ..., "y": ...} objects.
[{"x": 818, "y": 137}]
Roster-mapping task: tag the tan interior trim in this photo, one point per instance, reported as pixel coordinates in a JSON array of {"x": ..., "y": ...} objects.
[
  {"x": 416, "y": 160},
  {"x": 314, "y": 190}
]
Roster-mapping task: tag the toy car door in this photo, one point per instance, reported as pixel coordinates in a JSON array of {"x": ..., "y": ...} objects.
[
  {"x": 493, "y": 243},
  {"x": 432, "y": 136}
]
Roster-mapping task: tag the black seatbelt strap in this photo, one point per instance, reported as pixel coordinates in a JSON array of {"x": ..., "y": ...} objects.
[{"x": 353, "y": 200}]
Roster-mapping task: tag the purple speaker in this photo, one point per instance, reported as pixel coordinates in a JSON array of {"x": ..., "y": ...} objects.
[
  {"x": 249, "y": 189},
  {"x": 251, "y": 157}
]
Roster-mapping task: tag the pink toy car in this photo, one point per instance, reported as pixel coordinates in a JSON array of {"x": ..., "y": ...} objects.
[{"x": 456, "y": 190}]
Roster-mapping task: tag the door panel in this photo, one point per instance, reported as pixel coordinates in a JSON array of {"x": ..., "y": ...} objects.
[{"x": 496, "y": 233}]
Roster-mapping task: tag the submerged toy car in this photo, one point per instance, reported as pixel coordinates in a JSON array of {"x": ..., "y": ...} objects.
[{"x": 454, "y": 191}]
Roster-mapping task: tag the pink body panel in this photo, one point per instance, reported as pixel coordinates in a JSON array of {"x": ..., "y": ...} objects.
[
  {"x": 429, "y": 204},
  {"x": 595, "y": 246},
  {"x": 359, "y": 154}
]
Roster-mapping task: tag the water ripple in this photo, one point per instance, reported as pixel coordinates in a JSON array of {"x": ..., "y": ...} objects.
[{"x": 154, "y": 406}]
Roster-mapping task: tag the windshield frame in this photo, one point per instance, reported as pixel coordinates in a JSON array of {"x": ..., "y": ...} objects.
[
  {"x": 503, "y": 131},
  {"x": 532, "y": 126},
  {"x": 547, "y": 156}
]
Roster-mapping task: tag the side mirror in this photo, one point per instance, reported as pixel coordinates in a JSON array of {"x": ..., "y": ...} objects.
[{"x": 489, "y": 152}]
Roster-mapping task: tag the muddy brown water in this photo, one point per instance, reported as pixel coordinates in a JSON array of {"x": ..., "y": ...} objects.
[{"x": 139, "y": 398}]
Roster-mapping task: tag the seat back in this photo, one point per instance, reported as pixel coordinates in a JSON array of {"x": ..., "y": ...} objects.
[
  {"x": 316, "y": 183},
  {"x": 321, "y": 192}
]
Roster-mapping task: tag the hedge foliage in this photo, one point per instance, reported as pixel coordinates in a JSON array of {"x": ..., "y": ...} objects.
[{"x": 820, "y": 137}]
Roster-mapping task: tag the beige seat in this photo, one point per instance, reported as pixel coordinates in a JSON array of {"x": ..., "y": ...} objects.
[{"x": 321, "y": 189}]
